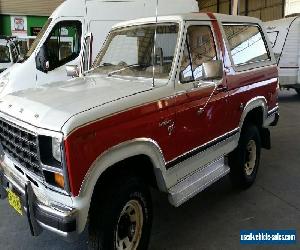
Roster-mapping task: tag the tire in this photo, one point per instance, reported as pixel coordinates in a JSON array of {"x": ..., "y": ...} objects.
[
  {"x": 298, "y": 91},
  {"x": 112, "y": 214},
  {"x": 244, "y": 160}
]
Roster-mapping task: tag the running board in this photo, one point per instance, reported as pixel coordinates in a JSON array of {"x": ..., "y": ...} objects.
[{"x": 197, "y": 182}]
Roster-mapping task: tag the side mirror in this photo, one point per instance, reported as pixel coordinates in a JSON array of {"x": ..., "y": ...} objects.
[
  {"x": 184, "y": 79},
  {"x": 42, "y": 60},
  {"x": 212, "y": 70},
  {"x": 72, "y": 70}
]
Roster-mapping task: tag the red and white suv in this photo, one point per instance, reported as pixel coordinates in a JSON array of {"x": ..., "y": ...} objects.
[{"x": 173, "y": 105}]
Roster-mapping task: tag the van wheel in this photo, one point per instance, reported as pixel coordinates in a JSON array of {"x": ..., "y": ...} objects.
[
  {"x": 121, "y": 218},
  {"x": 244, "y": 160}
]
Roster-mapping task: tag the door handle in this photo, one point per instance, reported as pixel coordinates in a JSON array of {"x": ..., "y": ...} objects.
[{"x": 222, "y": 88}]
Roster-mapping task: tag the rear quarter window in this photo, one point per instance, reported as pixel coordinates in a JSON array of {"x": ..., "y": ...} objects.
[{"x": 247, "y": 44}]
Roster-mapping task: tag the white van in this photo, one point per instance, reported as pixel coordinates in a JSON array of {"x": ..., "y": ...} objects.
[
  {"x": 74, "y": 34},
  {"x": 284, "y": 35}
]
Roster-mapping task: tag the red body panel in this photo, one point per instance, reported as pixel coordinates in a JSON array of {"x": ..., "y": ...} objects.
[{"x": 222, "y": 114}]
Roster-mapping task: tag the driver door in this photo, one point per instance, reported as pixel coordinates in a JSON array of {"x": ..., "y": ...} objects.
[
  {"x": 202, "y": 105},
  {"x": 62, "y": 47}
]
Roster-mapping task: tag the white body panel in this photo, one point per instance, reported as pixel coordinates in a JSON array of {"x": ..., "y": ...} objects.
[
  {"x": 97, "y": 17},
  {"x": 284, "y": 35}
]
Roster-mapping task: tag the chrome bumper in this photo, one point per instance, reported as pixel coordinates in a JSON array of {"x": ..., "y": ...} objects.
[{"x": 59, "y": 220}]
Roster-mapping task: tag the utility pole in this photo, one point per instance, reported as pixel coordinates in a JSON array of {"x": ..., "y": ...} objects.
[{"x": 234, "y": 7}]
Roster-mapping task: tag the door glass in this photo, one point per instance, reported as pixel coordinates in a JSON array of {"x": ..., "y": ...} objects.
[
  {"x": 4, "y": 54},
  {"x": 64, "y": 43},
  {"x": 247, "y": 44},
  {"x": 199, "y": 48}
]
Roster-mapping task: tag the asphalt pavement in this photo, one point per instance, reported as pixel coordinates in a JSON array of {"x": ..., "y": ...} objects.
[{"x": 213, "y": 219}]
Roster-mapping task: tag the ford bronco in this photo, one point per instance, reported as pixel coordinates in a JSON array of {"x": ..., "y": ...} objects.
[{"x": 172, "y": 103}]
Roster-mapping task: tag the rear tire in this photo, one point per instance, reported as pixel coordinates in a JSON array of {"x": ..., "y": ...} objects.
[
  {"x": 121, "y": 216},
  {"x": 244, "y": 160}
]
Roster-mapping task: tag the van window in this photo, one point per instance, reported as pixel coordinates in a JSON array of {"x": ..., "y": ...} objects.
[
  {"x": 199, "y": 48},
  {"x": 38, "y": 39},
  {"x": 64, "y": 43},
  {"x": 247, "y": 44}
]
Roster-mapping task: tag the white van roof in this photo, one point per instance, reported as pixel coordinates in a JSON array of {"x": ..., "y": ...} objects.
[{"x": 78, "y": 7}]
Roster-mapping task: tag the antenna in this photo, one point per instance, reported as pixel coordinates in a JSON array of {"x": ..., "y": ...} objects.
[{"x": 154, "y": 49}]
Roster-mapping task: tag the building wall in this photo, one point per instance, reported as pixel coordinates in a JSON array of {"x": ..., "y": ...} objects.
[
  {"x": 263, "y": 9},
  {"x": 32, "y": 21},
  {"x": 217, "y": 6},
  {"x": 29, "y": 7}
]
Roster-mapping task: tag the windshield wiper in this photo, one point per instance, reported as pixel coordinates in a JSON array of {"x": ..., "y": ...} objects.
[{"x": 122, "y": 69}]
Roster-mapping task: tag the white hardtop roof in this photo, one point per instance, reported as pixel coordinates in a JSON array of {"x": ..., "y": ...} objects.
[{"x": 189, "y": 17}]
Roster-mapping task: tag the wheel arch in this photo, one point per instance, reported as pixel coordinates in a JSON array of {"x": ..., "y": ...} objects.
[
  {"x": 110, "y": 161},
  {"x": 256, "y": 112},
  {"x": 256, "y": 109}
]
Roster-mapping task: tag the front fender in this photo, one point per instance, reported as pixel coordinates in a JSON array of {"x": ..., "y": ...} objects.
[
  {"x": 257, "y": 102},
  {"x": 141, "y": 146}
]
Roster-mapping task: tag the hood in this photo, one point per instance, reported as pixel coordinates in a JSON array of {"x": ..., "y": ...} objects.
[{"x": 52, "y": 105}]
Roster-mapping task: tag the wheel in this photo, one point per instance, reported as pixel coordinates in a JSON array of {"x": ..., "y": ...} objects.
[
  {"x": 121, "y": 217},
  {"x": 244, "y": 160},
  {"x": 298, "y": 91}
]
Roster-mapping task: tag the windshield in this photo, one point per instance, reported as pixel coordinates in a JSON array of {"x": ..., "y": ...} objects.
[
  {"x": 38, "y": 39},
  {"x": 129, "y": 51},
  {"x": 4, "y": 54}
]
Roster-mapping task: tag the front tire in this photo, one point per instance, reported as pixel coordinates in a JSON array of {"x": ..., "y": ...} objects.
[
  {"x": 244, "y": 160},
  {"x": 121, "y": 217}
]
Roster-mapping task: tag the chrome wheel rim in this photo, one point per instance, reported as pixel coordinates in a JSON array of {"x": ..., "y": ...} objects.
[
  {"x": 129, "y": 228},
  {"x": 250, "y": 157}
]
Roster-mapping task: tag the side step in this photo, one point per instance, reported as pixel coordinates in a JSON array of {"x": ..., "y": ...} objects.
[{"x": 197, "y": 182}]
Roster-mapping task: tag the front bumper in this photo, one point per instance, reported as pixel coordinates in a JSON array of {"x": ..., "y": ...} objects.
[{"x": 58, "y": 219}]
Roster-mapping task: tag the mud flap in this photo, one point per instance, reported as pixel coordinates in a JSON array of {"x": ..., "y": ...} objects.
[
  {"x": 265, "y": 138},
  {"x": 35, "y": 228}
]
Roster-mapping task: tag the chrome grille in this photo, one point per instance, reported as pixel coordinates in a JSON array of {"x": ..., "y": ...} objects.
[{"x": 21, "y": 145}]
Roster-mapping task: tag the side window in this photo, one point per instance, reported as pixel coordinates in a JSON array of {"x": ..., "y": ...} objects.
[
  {"x": 199, "y": 48},
  {"x": 246, "y": 43},
  {"x": 64, "y": 43}
]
